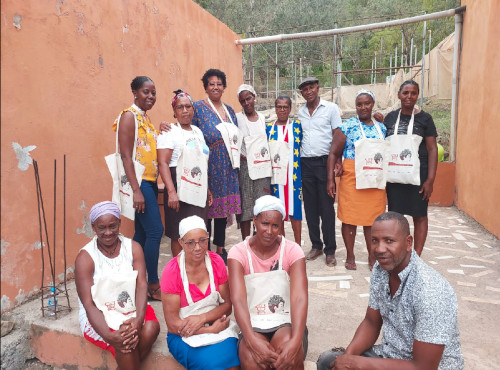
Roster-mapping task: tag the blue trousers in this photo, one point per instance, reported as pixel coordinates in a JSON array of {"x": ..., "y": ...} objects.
[{"x": 149, "y": 229}]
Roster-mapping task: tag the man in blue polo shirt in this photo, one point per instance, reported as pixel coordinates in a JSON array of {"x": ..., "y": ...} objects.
[{"x": 318, "y": 118}]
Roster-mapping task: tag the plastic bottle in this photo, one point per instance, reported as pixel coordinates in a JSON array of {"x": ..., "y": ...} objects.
[{"x": 52, "y": 303}]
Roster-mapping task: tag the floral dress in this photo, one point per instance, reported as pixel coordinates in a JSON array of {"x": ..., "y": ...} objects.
[{"x": 222, "y": 177}]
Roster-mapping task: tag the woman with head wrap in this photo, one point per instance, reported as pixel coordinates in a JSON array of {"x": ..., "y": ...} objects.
[
  {"x": 255, "y": 165},
  {"x": 137, "y": 134},
  {"x": 289, "y": 131},
  {"x": 110, "y": 276},
  {"x": 267, "y": 277},
  {"x": 196, "y": 303},
  {"x": 356, "y": 206},
  {"x": 405, "y": 198},
  {"x": 170, "y": 145}
]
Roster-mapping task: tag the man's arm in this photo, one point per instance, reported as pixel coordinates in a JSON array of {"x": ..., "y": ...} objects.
[
  {"x": 426, "y": 356},
  {"x": 367, "y": 333}
]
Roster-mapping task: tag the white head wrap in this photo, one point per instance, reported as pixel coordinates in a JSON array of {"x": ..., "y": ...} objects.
[
  {"x": 367, "y": 92},
  {"x": 191, "y": 223},
  {"x": 104, "y": 208},
  {"x": 269, "y": 203},
  {"x": 245, "y": 87}
]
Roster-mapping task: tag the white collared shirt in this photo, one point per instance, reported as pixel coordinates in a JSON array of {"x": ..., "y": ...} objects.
[{"x": 317, "y": 128}]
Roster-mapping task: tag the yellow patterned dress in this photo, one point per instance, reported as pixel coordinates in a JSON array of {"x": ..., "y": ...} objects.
[{"x": 146, "y": 142}]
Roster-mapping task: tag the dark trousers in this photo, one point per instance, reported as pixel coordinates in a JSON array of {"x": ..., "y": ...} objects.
[
  {"x": 318, "y": 204},
  {"x": 219, "y": 231}
]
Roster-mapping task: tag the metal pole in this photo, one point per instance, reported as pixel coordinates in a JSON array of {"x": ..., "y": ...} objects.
[
  {"x": 267, "y": 81},
  {"x": 371, "y": 74},
  {"x": 334, "y": 58},
  {"x": 430, "y": 40},
  {"x": 375, "y": 66},
  {"x": 454, "y": 83},
  {"x": 340, "y": 31},
  {"x": 277, "y": 72},
  {"x": 423, "y": 67},
  {"x": 395, "y": 57},
  {"x": 411, "y": 56},
  {"x": 390, "y": 65},
  {"x": 402, "y": 48}
]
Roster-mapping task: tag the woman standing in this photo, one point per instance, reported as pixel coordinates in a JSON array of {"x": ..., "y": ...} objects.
[
  {"x": 148, "y": 227},
  {"x": 407, "y": 199},
  {"x": 222, "y": 177},
  {"x": 268, "y": 283},
  {"x": 288, "y": 131},
  {"x": 196, "y": 303},
  {"x": 169, "y": 146},
  {"x": 110, "y": 277},
  {"x": 355, "y": 206},
  {"x": 253, "y": 126}
]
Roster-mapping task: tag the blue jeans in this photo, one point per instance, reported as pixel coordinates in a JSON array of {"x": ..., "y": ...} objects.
[{"x": 149, "y": 229}]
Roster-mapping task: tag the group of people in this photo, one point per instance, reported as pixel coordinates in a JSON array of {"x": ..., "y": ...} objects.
[{"x": 216, "y": 164}]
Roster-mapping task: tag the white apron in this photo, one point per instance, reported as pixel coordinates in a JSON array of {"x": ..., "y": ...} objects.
[
  {"x": 279, "y": 150},
  {"x": 268, "y": 294},
  {"x": 192, "y": 173},
  {"x": 202, "y": 306},
  {"x": 370, "y": 160},
  {"x": 258, "y": 156},
  {"x": 231, "y": 135},
  {"x": 404, "y": 164},
  {"x": 114, "y": 292}
]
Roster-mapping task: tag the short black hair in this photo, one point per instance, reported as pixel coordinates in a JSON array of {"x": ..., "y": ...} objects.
[
  {"x": 213, "y": 72},
  {"x": 391, "y": 215},
  {"x": 283, "y": 97},
  {"x": 138, "y": 81},
  {"x": 409, "y": 82}
]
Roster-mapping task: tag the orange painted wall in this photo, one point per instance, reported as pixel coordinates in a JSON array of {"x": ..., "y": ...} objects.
[
  {"x": 478, "y": 132},
  {"x": 65, "y": 76}
]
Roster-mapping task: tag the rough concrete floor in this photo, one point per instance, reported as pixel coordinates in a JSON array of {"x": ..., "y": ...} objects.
[{"x": 459, "y": 248}]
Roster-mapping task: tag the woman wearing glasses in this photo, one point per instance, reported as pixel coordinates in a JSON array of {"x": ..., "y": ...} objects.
[
  {"x": 285, "y": 139},
  {"x": 196, "y": 303},
  {"x": 182, "y": 138}
]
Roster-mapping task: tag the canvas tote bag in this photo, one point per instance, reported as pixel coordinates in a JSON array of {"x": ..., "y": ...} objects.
[
  {"x": 370, "y": 160},
  {"x": 404, "y": 164},
  {"x": 122, "y": 190},
  {"x": 280, "y": 151},
  {"x": 258, "y": 156}
]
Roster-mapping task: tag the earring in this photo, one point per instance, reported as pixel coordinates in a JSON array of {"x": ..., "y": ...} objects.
[{"x": 135, "y": 97}]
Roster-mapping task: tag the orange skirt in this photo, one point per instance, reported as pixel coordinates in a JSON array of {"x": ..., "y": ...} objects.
[{"x": 358, "y": 206}]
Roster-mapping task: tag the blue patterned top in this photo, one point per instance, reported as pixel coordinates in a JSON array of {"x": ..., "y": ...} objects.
[
  {"x": 222, "y": 178},
  {"x": 352, "y": 131}
]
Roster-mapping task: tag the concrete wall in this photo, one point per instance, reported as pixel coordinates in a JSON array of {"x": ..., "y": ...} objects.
[
  {"x": 66, "y": 72},
  {"x": 478, "y": 132}
]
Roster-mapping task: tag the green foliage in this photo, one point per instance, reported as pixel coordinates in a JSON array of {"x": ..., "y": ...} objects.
[{"x": 254, "y": 18}]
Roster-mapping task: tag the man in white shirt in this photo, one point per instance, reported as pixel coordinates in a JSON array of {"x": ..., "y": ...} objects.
[{"x": 318, "y": 118}]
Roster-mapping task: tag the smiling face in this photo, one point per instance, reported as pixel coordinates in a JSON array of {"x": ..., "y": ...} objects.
[
  {"x": 268, "y": 227},
  {"x": 391, "y": 247},
  {"x": 145, "y": 96},
  {"x": 282, "y": 110},
  {"x": 107, "y": 228},
  {"x": 408, "y": 96},
  {"x": 364, "y": 107},
  {"x": 247, "y": 101},
  {"x": 310, "y": 92},
  {"x": 184, "y": 110},
  {"x": 215, "y": 88},
  {"x": 195, "y": 245}
]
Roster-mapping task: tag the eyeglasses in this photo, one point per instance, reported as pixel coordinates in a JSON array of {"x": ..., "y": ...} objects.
[
  {"x": 203, "y": 242},
  {"x": 182, "y": 107},
  {"x": 282, "y": 107}
]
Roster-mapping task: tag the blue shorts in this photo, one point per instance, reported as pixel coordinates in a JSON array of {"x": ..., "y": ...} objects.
[{"x": 219, "y": 356}]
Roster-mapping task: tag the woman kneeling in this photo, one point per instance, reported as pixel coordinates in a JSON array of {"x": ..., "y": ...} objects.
[
  {"x": 267, "y": 277},
  {"x": 196, "y": 303}
]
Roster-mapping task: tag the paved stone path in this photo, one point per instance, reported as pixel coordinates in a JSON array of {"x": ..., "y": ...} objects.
[{"x": 457, "y": 247}]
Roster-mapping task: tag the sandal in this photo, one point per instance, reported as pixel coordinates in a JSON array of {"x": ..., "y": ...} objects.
[
  {"x": 350, "y": 266},
  {"x": 151, "y": 295}
]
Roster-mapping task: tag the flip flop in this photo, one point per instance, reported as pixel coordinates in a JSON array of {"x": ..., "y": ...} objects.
[
  {"x": 350, "y": 266},
  {"x": 151, "y": 294}
]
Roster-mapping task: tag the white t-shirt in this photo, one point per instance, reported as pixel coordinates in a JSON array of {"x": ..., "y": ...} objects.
[
  {"x": 177, "y": 138},
  {"x": 249, "y": 128}
]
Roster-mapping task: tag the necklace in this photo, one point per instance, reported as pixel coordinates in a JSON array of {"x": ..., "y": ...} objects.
[{"x": 105, "y": 251}]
